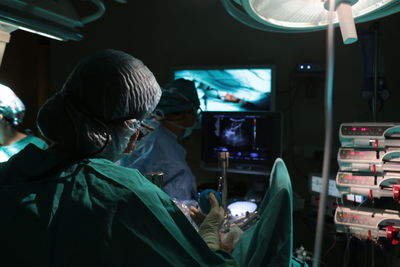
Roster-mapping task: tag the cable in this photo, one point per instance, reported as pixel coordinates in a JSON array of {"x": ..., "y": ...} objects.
[
  {"x": 330, "y": 248},
  {"x": 376, "y": 74},
  {"x": 328, "y": 133},
  {"x": 361, "y": 203},
  {"x": 346, "y": 255}
]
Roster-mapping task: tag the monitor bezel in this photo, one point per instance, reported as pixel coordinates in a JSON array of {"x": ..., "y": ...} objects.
[{"x": 244, "y": 66}]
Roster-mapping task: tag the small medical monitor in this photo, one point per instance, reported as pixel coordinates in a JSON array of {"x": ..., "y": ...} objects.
[
  {"x": 253, "y": 139},
  {"x": 232, "y": 88},
  {"x": 316, "y": 185}
]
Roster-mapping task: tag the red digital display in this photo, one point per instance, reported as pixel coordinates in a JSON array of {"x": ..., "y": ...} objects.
[
  {"x": 351, "y": 216},
  {"x": 362, "y": 129},
  {"x": 361, "y": 153}
]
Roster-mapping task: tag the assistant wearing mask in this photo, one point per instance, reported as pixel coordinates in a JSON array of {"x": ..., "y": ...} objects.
[
  {"x": 160, "y": 150},
  {"x": 187, "y": 131}
]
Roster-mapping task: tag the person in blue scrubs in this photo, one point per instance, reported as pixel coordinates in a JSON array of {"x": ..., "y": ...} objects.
[
  {"x": 160, "y": 151},
  {"x": 12, "y": 112}
]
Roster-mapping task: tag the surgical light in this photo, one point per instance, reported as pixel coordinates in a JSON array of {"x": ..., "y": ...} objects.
[
  {"x": 40, "y": 33},
  {"x": 57, "y": 20},
  {"x": 53, "y": 19},
  {"x": 293, "y": 16}
]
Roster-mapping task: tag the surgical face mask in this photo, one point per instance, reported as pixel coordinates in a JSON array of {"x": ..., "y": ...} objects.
[
  {"x": 187, "y": 130},
  {"x": 196, "y": 124},
  {"x": 121, "y": 140}
]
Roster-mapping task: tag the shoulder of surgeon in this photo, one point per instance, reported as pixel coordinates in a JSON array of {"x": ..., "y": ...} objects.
[
  {"x": 37, "y": 142},
  {"x": 129, "y": 178},
  {"x": 32, "y": 139}
]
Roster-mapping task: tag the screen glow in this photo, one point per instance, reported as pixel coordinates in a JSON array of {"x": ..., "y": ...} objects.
[{"x": 234, "y": 89}]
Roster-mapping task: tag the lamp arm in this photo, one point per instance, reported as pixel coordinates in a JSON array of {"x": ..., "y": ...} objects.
[{"x": 101, "y": 9}]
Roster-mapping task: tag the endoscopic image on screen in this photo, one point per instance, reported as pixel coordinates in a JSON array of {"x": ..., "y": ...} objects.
[{"x": 243, "y": 89}]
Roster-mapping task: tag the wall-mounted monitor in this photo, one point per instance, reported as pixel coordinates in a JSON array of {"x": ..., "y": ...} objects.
[
  {"x": 232, "y": 88},
  {"x": 253, "y": 139}
]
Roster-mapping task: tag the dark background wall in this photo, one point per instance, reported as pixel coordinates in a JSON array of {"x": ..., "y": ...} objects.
[{"x": 166, "y": 34}]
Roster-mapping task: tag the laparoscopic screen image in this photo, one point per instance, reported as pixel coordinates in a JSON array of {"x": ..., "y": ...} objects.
[{"x": 231, "y": 89}]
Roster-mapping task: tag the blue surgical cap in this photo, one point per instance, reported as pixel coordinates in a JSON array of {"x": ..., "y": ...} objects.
[
  {"x": 11, "y": 106},
  {"x": 177, "y": 96}
]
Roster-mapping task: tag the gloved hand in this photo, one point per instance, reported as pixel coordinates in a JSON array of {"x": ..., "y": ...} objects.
[
  {"x": 196, "y": 215},
  {"x": 229, "y": 239},
  {"x": 209, "y": 229}
]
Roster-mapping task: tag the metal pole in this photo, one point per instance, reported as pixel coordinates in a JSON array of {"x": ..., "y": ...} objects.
[
  {"x": 376, "y": 71},
  {"x": 223, "y": 158},
  {"x": 328, "y": 134}
]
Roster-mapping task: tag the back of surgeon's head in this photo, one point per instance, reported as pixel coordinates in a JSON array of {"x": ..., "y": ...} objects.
[{"x": 100, "y": 106}]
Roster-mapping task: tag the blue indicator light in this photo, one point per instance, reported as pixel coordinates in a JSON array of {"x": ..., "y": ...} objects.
[{"x": 253, "y": 155}]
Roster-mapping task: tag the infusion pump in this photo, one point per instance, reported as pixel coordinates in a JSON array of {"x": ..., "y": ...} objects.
[
  {"x": 369, "y": 166},
  {"x": 370, "y": 135},
  {"x": 369, "y": 224}
]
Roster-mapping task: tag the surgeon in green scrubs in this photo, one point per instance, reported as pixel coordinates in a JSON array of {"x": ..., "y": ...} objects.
[
  {"x": 12, "y": 112},
  {"x": 71, "y": 205}
]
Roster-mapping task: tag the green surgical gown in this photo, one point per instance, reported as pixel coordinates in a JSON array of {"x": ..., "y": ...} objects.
[
  {"x": 270, "y": 241},
  {"x": 90, "y": 212},
  {"x": 7, "y": 152}
]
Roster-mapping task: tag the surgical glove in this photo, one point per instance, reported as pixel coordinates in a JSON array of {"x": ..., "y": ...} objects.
[
  {"x": 209, "y": 229},
  {"x": 197, "y": 216},
  {"x": 229, "y": 239}
]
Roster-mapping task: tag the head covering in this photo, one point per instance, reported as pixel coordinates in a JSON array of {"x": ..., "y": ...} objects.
[
  {"x": 11, "y": 106},
  {"x": 103, "y": 93},
  {"x": 179, "y": 95}
]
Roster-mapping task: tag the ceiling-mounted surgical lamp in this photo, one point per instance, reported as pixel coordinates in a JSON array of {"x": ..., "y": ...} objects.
[
  {"x": 54, "y": 19},
  {"x": 293, "y": 16}
]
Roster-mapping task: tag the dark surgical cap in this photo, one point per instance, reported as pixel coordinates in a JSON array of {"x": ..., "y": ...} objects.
[
  {"x": 104, "y": 90},
  {"x": 179, "y": 95}
]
